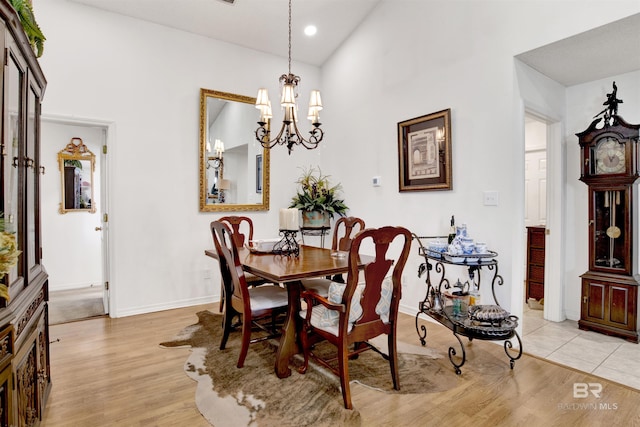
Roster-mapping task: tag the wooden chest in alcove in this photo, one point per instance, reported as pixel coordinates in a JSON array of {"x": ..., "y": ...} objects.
[{"x": 535, "y": 263}]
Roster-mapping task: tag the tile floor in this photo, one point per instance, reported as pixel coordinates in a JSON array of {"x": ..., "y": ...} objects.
[{"x": 562, "y": 342}]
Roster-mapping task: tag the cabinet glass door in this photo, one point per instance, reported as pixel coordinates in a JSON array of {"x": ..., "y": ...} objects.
[
  {"x": 13, "y": 159},
  {"x": 611, "y": 231},
  {"x": 32, "y": 171}
]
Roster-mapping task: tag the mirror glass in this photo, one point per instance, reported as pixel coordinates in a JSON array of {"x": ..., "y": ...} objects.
[
  {"x": 234, "y": 167},
  {"x": 77, "y": 165}
]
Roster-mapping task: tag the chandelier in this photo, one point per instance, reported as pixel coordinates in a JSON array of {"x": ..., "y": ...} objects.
[{"x": 289, "y": 134}]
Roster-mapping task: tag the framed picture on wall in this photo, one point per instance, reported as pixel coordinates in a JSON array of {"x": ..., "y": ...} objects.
[
  {"x": 259, "y": 173},
  {"x": 424, "y": 152}
]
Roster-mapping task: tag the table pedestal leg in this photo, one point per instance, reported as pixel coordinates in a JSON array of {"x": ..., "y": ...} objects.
[{"x": 289, "y": 339}]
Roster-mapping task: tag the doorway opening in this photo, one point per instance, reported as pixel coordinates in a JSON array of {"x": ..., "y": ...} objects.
[
  {"x": 535, "y": 218},
  {"x": 74, "y": 243}
]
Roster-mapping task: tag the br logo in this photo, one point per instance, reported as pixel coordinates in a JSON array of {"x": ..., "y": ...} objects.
[{"x": 582, "y": 390}]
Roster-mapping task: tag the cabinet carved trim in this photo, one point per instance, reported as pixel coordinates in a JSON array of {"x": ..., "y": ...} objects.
[
  {"x": 6, "y": 345},
  {"x": 26, "y": 388},
  {"x": 28, "y": 315}
]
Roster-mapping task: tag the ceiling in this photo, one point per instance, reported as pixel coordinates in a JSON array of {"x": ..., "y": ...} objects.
[
  {"x": 593, "y": 55},
  {"x": 262, "y": 25},
  {"x": 256, "y": 24}
]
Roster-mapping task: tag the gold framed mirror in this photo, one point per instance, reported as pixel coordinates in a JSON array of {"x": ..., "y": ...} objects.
[
  {"x": 77, "y": 165},
  {"x": 234, "y": 167}
]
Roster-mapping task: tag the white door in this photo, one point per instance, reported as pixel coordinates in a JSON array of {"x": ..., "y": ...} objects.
[{"x": 535, "y": 184}]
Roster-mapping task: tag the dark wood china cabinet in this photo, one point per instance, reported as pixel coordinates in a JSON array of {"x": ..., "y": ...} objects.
[
  {"x": 609, "y": 167},
  {"x": 25, "y": 378}
]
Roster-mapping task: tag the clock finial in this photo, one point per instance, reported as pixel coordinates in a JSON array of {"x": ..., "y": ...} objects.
[{"x": 612, "y": 106}]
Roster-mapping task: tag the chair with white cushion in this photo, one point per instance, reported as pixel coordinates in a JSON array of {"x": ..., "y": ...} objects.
[
  {"x": 242, "y": 232},
  {"x": 257, "y": 306},
  {"x": 356, "y": 312},
  {"x": 344, "y": 230}
]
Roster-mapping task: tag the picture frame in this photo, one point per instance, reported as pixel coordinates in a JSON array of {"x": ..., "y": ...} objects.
[
  {"x": 424, "y": 152},
  {"x": 258, "y": 173}
]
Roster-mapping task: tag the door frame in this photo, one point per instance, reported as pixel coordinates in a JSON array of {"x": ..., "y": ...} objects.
[{"x": 108, "y": 129}]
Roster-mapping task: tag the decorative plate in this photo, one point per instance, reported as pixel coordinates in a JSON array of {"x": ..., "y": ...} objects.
[{"x": 487, "y": 313}]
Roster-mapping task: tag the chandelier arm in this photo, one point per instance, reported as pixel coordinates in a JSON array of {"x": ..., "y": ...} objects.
[{"x": 313, "y": 140}]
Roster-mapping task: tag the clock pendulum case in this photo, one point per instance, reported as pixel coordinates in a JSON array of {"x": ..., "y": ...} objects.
[{"x": 609, "y": 167}]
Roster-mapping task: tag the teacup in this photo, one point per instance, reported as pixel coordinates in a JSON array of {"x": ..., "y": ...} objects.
[
  {"x": 481, "y": 247},
  {"x": 467, "y": 246}
]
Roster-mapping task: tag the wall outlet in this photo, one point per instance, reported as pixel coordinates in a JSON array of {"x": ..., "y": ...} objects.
[{"x": 375, "y": 181}]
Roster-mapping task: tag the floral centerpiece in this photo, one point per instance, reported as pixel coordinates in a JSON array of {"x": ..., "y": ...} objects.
[
  {"x": 317, "y": 197},
  {"x": 8, "y": 255}
]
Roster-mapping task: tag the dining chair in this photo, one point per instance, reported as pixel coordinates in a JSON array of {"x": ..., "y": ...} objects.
[
  {"x": 258, "y": 306},
  {"x": 343, "y": 232},
  {"x": 242, "y": 232},
  {"x": 358, "y": 311}
]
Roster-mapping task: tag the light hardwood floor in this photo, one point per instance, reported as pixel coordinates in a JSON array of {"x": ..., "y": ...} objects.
[{"x": 111, "y": 372}]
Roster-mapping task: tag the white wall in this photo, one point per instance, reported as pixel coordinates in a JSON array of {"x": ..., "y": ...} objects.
[
  {"x": 407, "y": 59},
  {"x": 146, "y": 79},
  {"x": 412, "y": 58}
]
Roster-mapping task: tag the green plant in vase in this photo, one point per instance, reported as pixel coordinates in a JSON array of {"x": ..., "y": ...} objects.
[{"x": 317, "y": 198}]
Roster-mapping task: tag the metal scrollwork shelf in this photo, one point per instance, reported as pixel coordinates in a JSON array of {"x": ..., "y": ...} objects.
[{"x": 465, "y": 321}]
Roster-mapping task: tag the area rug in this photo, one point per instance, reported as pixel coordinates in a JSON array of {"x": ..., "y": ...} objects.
[
  {"x": 254, "y": 396},
  {"x": 75, "y": 304}
]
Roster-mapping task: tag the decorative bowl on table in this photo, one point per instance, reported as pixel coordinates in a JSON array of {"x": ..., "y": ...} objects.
[{"x": 263, "y": 245}]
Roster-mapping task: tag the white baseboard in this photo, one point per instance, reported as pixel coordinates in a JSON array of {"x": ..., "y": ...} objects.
[
  {"x": 162, "y": 307},
  {"x": 70, "y": 286}
]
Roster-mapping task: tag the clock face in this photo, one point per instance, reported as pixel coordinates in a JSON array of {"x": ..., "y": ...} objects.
[{"x": 610, "y": 157}]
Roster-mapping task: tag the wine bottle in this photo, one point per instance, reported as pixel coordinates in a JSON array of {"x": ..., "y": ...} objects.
[{"x": 452, "y": 230}]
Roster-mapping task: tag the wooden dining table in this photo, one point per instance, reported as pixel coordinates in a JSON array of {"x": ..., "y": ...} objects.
[{"x": 290, "y": 270}]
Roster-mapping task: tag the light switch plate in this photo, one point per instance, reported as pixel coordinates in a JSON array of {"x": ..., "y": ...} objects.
[
  {"x": 491, "y": 198},
  {"x": 376, "y": 181}
]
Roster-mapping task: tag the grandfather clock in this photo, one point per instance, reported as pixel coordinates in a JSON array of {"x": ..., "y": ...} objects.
[{"x": 609, "y": 167}]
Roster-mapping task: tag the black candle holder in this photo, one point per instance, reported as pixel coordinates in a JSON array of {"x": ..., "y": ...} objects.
[{"x": 288, "y": 244}]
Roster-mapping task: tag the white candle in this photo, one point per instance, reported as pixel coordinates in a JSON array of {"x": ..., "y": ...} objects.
[
  {"x": 289, "y": 219},
  {"x": 293, "y": 219},
  {"x": 283, "y": 219}
]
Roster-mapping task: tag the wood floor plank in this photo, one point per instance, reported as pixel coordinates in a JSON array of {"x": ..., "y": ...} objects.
[{"x": 108, "y": 372}]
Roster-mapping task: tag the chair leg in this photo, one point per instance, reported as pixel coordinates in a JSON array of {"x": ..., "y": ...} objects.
[
  {"x": 393, "y": 360},
  {"x": 246, "y": 337},
  {"x": 222, "y": 297},
  {"x": 227, "y": 325},
  {"x": 343, "y": 366},
  {"x": 304, "y": 343}
]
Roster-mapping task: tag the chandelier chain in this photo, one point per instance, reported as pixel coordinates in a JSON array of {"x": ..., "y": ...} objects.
[{"x": 289, "y": 36}]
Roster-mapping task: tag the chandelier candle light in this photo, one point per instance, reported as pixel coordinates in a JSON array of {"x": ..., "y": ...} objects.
[{"x": 289, "y": 134}]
